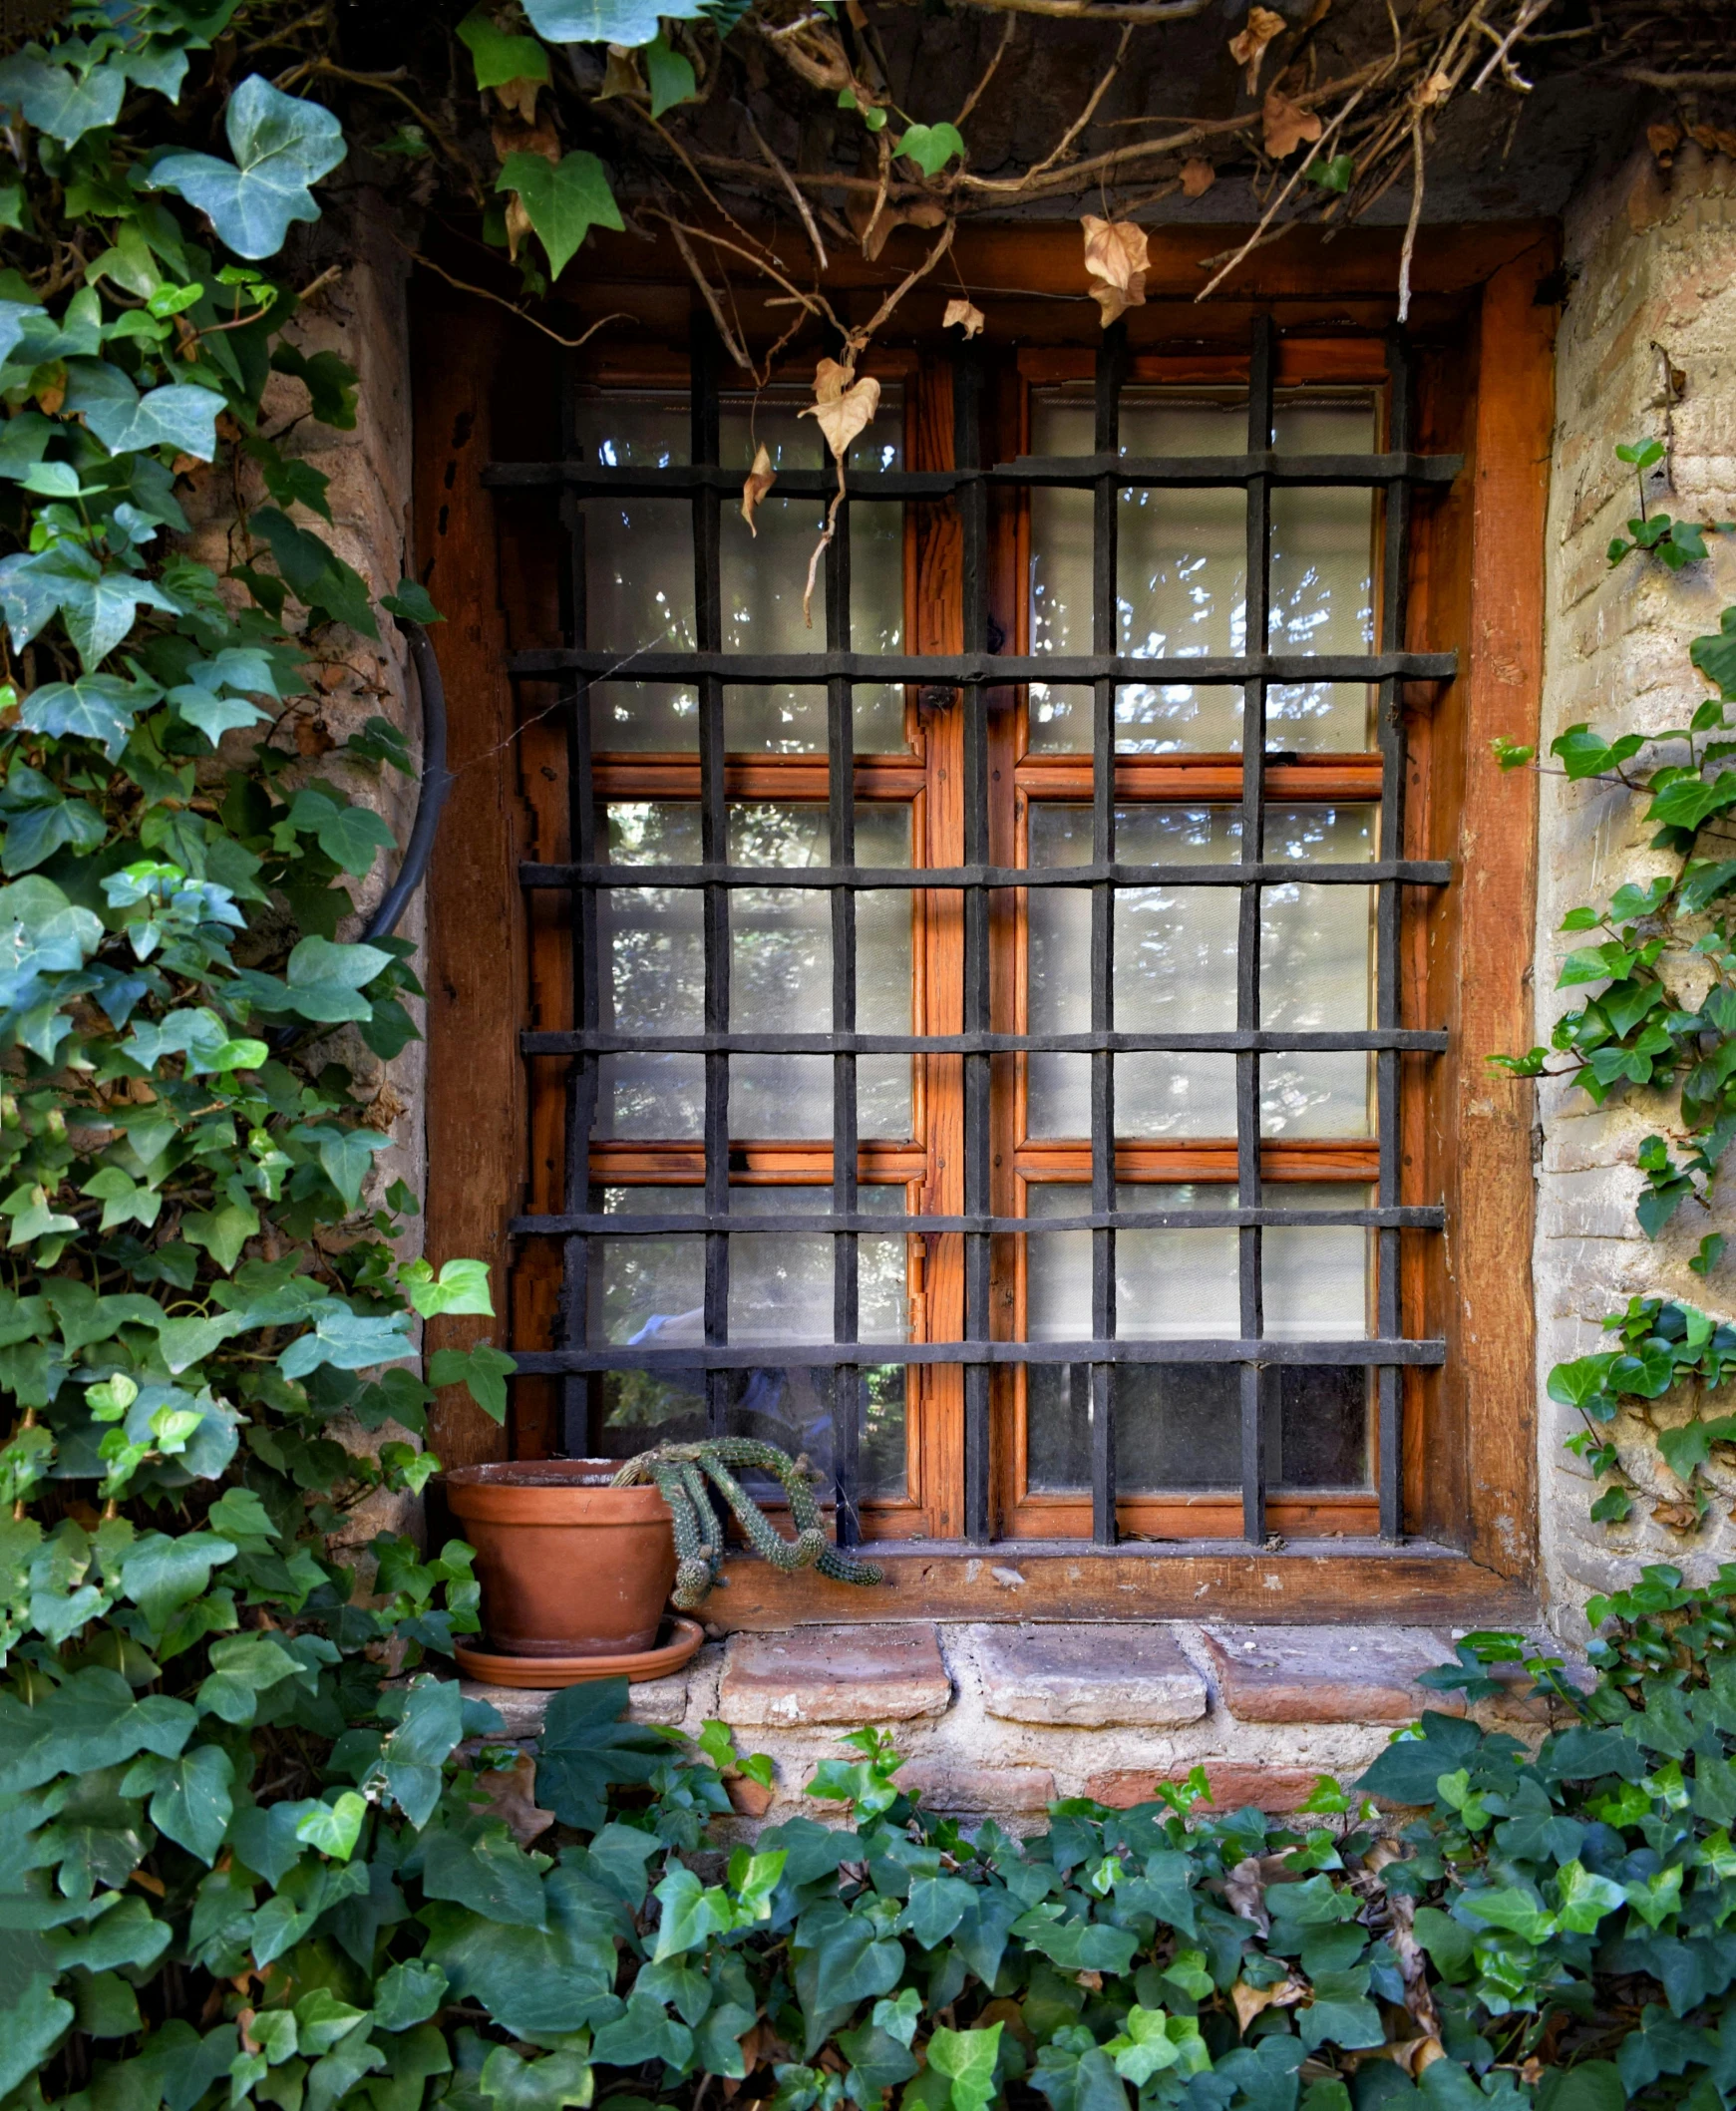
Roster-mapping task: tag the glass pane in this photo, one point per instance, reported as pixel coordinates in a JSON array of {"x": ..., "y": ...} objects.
[
  {"x": 638, "y": 574},
  {"x": 1175, "y": 972},
  {"x": 794, "y": 1409},
  {"x": 643, "y": 718},
  {"x": 781, "y": 972},
  {"x": 785, "y": 720},
  {"x": 1062, "y": 423},
  {"x": 649, "y": 1292},
  {"x": 1151, "y": 718},
  {"x": 1182, "y": 556},
  {"x": 1169, "y": 1285},
  {"x": 781, "y": 1282},
  {"x": 1318, "y": 1278},
  {"x": 1317, "y": 974},
  {"x": 1326, "y": 1429},
  {"x": 653, "y": 942},
  {"x": 1322, "y": 578}
]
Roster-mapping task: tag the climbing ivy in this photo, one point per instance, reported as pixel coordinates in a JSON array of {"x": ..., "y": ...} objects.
[{"x": 1658, "y": 965}]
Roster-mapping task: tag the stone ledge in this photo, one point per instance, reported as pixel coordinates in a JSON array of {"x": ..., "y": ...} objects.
[
  {"x": 524, "y": 1708},
  {"x": 1086, "y": 1677},
  {"x": 1328, "y": 1674},
  {"x": 846, "y": 1676},
  {"x": 949, "y": 1787}
]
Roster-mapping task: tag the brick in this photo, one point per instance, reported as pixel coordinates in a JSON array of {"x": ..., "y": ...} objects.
[
  {"x": 946, "y": 1787},
  {"x": 890, "y": 1673},
  {"x": 1087, "y": 1676},
  {"x": 1328, "y": 1674},
  {"x": 1234, "y": 1784}
]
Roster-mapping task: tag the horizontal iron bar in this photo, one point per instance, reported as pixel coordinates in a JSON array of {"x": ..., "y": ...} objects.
[
  {"x": 863, "y": 878},
  {"x": 534, "y": 1363},
  {"x": 995, "y": 669},
  {"x": 662, "y": 1223},
  {"x": 1233, "y": 1041},
  {"x": 1063, "y": 471}
]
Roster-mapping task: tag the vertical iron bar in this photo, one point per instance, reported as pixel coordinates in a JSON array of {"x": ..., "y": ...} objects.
[
  {"x": 1248, "y": 959},
  {"x": 712, "y": 851},
  {"x": 973, "y": 512},
  {"x": 1388, "y": 906},
  {"x": 1111, "y": 373},
  {"x": 846, "y": 1270},
  {"x": 581, "y": 1077}
]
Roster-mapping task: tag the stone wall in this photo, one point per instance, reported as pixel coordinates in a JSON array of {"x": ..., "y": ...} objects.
[{"x": 1652, "y": 258}]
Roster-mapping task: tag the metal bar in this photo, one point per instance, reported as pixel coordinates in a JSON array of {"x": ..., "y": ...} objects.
[
  {"x": 1053, "y": 472},
  {"x": 1105, "y": 616},
  {"x": 823, "y": 1356},
  {"x": 1251, "y": 1281},
  {"x": 846, "y": 1253},
  {"x": 1415, "y": 1216},
  {"x": 959, "y": 669},
  {"x": 553, "y": 1041},
  {"x": 1388, "y": 937},
  {"x": 1254, "y": 874},
  {"x": 973, "y": 525},
  {"x": 582, "y": 1078},
  {"x": 714, "y": 852}
]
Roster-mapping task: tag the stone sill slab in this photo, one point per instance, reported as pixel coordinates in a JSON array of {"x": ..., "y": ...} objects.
[{"x": 1001, "y": 1719}]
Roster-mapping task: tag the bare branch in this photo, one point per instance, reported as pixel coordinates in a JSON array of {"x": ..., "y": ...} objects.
[
  {"x": 1410, "y": 243},
  {"x": 736, "y": 350},
  {"x": 1134, "y": 11},
  {"x": 792, "y": 188},
  {"x": 463, "y": 286},
  {"x": 859, "y": 339},
  {"x": 1254, "y": 240},
  {"x": 1000, "y": 52}
]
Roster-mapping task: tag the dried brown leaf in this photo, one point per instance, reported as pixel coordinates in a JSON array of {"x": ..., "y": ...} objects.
[
  {"x": 759, "y": 480},
  {"x": 511, "y": 1793},
  {"x": 1436, "y": 89},
  {"x": 1663, "y": 139},
  {"x": 966, "y": 314},
  {"x": 620, "y": 74},
  {"x": 842, "y": 406},
  {"x": 1197, "y": 176},
  {"x": 517, "y": 225},
  {"x": 1116, "y": 253},
  {"x": 1255, "y": 2000},
  {"x": 1286, "y": 124},
  {"x": 1676, "y": 1517},
  {"x": 1247, "y": 48},
  {"x": 520, "y": 97}
]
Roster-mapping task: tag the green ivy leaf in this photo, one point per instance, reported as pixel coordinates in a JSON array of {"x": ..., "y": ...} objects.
[
  {"x": 932, "y": 146},
  {"x": 282, "y": 144},
  {"x": 59, "y": 101},
  {"x": 30, "y": 2031},
  {"x": 562, "y": 201},
  {"x": 482, "y": 1370},
  {"x": 499, "y": 57},
  {"x": 461, "y": 1286}
]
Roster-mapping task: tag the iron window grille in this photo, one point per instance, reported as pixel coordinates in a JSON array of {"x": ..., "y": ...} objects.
[{"x": 707, "y": 484}]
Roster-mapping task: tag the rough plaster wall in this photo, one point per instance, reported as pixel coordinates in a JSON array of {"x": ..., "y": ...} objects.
[{"x": 1653, "y": 265}]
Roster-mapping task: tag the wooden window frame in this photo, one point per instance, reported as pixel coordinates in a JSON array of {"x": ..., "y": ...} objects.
[{"x": 1468, "y": 1459}]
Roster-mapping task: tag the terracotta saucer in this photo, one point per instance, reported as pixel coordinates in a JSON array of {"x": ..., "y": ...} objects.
[{"x": 545, "y": 1673}]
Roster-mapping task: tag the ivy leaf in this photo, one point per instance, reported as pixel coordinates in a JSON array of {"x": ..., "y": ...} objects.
[
  {"x": 413, "y": 604},
  {"x": 562, "y": 199},
  {"x": 90, "y": 1721},
  {"x": 932, "y": 146},
  {"x": 190, "y": 1797},
  {"x": 319, "y": 578},
  {"x": 326, "y": 979},
  {"x": 98, "y": 607},
  {"x": 334, "y": 1828},
  {"x": 630, "y": 22},
  {"x": 330, "y": 383},
  {"x": 282, "y": 144},
  {"x": 346, "y": 1156},
  {"x": 30, "y": 2031},
  {"x": 58, "y": 101},
  {"x": 1715, "y": 656},
  {"x": 492, "y": 1875},
  {"x": 161, "y": 1575},
  {"x": 669, "y": 74},
  {"x": 482, "y": 1370},
  {"x": 499, "y": 57},
  {"x": 350, "y": 836},
  {"x": 510, "y": 2082},
  {"x": 461, "y": 1286},
  {"x": 347, "y": 1341},
  {"x": 585, "y": 1749},
  {"x": 41, "y": 932},
  {"x": 181, "y": 415},
  {"x": 967, "y": 2059},
  {"x": 408, "y": 1993}
]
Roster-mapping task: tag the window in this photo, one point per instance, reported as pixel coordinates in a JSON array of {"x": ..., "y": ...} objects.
[{"x": 992, "y": 1040}]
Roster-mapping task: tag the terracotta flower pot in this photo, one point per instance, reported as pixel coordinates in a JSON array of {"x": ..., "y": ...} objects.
[{"x": 569, "y": 1567}]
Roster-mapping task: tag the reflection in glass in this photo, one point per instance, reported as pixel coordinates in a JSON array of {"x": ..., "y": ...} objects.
[
  {"x": 653, "y": 940},
  {"x": 1174, "y": 972},
  {"x": 1318, "y": 1278},
  {"x": 643, "y": 718},
  {"x": 1182, "y": 567},
  {"x": 650, "y": 1292}
]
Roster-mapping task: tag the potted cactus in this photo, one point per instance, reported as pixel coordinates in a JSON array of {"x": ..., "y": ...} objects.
[{"x": 579, "y": 1558}]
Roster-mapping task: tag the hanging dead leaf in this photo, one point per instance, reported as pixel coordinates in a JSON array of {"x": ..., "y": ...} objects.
[
  {"x": 510, "y": 137},
  {"x": 1287, "y": 125},
  {"x": 1247, "y": 48},
  {"x": 1255, "y": 2000},
  {"x": 759, "y": 480},
  {"x": 511, "y": 1792},
  {"x": 1713, "y": 138},
  {"x": 1663, "y": 139},
  {"x": 921, "y": 213},
  {"x": 1197, "y": 176},
  {"x": 1436, "y": 89},
  {"x": 841, "y": 406},
  {"x": 517, "y": 225},
  {"x": 1676, "y": 1517},
  {"x": 966, "y": 314},
  {"x": 1116, "y": 253}
]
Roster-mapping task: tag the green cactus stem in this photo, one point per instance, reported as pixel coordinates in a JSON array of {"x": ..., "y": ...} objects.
[{"x": 680, "y": 1473}]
